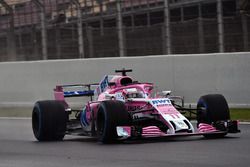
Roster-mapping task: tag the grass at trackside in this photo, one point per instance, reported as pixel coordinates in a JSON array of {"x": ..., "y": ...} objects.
[
  {"x": 15, "y": 112},
  {"x": 236, "y": 114},
  {"x": 240, "y": 114}
]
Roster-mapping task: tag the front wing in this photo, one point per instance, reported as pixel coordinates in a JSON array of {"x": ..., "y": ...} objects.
[{"x": 126, "y": 132}]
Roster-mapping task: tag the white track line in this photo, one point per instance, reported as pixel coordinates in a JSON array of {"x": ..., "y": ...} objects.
[{"x": 245, "y": 123}]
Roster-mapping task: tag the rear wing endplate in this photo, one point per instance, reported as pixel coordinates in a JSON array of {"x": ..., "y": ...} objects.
[{"x": 78, "y": 90}]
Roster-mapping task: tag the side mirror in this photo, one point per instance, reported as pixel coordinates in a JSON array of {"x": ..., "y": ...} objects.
[
  {"x": 109, "y": 96},
  {"x": 166, "y": 93}
]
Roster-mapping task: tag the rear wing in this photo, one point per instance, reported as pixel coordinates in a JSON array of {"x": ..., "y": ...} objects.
[{"x": 79, "y": 90}]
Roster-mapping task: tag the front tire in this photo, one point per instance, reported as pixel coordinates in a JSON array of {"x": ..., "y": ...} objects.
[
  {"x": 110, "y": 115},
  {"x": 211, "y": 109},
  {"x": 49, "y": 120}
]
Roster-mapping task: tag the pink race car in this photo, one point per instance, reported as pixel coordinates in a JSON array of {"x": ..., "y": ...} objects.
[{"x": 121, "y": 108}]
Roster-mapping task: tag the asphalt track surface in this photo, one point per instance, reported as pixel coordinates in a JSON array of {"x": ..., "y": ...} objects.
[{"x": 18, "y": 148}]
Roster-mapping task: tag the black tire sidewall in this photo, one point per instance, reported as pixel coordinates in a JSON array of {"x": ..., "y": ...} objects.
[
  {"x": 37, "y": 121},
  {"x": 114, "y": 114},
  {"x": 52, "y": 120},
  {"x": 216, "y": 109},
  {"x": 102, "y": 121}
]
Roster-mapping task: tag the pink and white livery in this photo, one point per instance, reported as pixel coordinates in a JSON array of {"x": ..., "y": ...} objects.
[{"x": 121, "y": 108}]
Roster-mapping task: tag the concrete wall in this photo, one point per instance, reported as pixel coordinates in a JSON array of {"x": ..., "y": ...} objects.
[{"x": 23, "y": 83}]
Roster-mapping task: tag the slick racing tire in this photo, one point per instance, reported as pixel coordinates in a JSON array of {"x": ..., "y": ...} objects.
[
  {"x": 110, "y": 115},
  {"x": 49, "y": 120},
  {"x": 212, "y": 109}
]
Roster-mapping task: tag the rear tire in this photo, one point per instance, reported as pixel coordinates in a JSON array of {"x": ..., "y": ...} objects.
[
  {"x": 212, "y": 108},
  {"x": 110, "y": 115},
  {"x": 49, "y": 120}
]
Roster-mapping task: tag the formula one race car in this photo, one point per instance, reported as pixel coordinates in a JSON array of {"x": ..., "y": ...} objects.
[{"x": 126, "y": 109}]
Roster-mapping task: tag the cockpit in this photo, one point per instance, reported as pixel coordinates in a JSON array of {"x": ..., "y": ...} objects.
[{"x": 134, "y": 93}]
